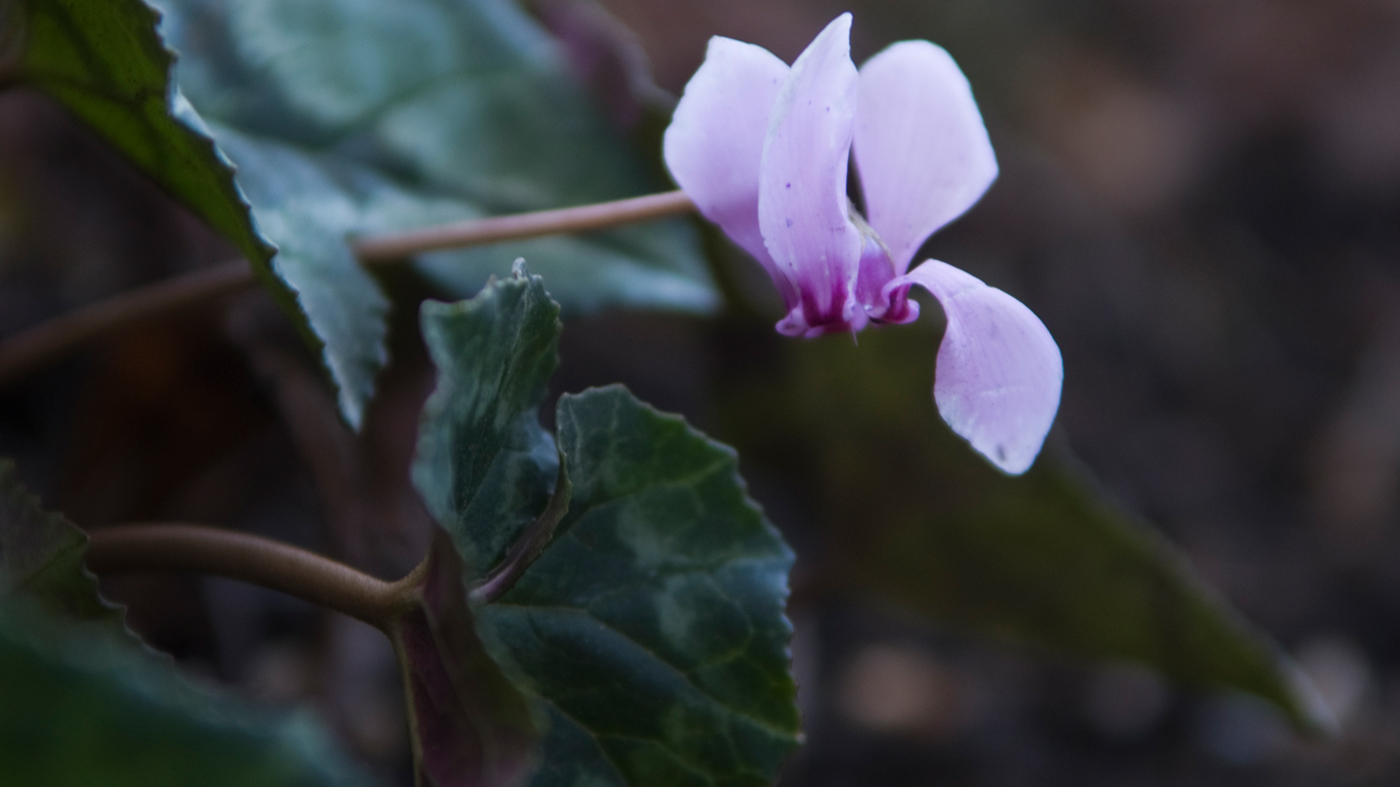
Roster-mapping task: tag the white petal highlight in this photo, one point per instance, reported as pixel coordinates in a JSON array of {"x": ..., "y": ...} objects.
[
  {"x": 921, "y": 147},
  {"x": 999, "y": 372}
]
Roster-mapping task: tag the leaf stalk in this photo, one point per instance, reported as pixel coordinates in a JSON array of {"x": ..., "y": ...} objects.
[{"x": 530, "y": 543}]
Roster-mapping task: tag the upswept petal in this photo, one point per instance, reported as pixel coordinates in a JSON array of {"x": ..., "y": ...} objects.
[
  {"x": 802, "y": 205},
  {"x": 921, "y": 148},
  {"x": 714, "y": 145},
  {"x": 999, "y": 372}
]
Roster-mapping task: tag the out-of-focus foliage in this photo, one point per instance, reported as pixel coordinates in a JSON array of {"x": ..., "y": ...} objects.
[
  {"x": 81, "y": 704},
  {"x": 41, "y": 557},
  {"x": 651, "y": 627},
  {"x": 1041, "y": 557},
  {"x": 79, "y": 708},
  {"x": 348, "y": 118}
]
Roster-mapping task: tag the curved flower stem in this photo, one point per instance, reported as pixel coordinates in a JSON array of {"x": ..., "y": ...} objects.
[
  {"x": 254, "y": 559},
  {"x": 30, "y": 349}
]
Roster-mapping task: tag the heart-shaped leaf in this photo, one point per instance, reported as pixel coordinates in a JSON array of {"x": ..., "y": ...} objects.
[{"x": 651, "y": 628}]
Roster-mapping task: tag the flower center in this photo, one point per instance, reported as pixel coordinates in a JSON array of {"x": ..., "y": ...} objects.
[{"x": 876, "y": 270}]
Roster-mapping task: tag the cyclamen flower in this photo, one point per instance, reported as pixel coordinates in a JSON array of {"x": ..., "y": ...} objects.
[{"x": 762, "y": 150}]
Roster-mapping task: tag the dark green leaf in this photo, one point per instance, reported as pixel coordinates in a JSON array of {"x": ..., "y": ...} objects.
[
  {"x": 1043, "y": 558},
  {"x": 79, "y": 709},
  {"x": 41, "y": 557},
  {"x": 79, "y": 706},
  {"x": 106, "y": 64},
  {"x": 307, "y": 204},
  {"x": 484, "y": 465},
  {"x": 652, "y": 627},
  {"x": 470, "y": 724}
]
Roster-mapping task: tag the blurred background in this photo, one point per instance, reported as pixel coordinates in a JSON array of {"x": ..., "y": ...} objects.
[{"x": 1201, "y": 199}]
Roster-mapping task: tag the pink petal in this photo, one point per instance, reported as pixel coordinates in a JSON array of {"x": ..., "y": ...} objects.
[
  {"x": 714, "y": 144},
  {"x": 802, "y": 207},
  {"x": 920, "y": 145},
  {"x": 999, "y": 372}
]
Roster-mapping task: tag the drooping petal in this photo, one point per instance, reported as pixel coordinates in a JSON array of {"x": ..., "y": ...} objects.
[
  {"x": 714, "y": 144},
  {"x": 999, "y": 372},
  {"x": 920, "y": 145},
  {"x": 802, "y": 205}
]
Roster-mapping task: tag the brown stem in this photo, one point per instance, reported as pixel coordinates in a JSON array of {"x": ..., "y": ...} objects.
[
  {"x": 476, "y": 232},
  {"x": 249, "y": 558},
  {"x": 26, "y": 351}
]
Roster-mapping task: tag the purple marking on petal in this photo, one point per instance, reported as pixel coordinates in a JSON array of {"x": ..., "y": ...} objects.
[
  {"x": 883, "y": 305},
  {"x": 806, "y": 229},
  {"x": 999, "y": 371},
  {"x": 875, "y": 270},
  {"x": 816, "y": 316},
  {"x": 920, "y": 145},
  {"x": 714, "y": 145},
  {"x": 901, "y": 310}
]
